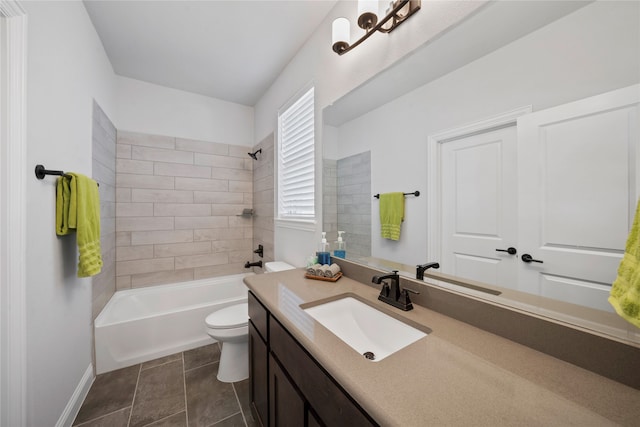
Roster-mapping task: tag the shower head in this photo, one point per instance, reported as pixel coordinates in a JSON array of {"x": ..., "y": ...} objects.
[{"x": 254, "y": 155}]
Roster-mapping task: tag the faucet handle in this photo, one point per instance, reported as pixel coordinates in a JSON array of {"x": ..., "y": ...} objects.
[
  {"x": 385, "y": 289},
  {"x": 405, "y": 300}
]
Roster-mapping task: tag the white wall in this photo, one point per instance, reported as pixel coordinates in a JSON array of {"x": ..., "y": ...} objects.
[
  {"x": 148, "y": 108},
  {"x": 67, "y": 68},
  {"x": 594, "y": 50},
  {"x": 334, "y": 76}
]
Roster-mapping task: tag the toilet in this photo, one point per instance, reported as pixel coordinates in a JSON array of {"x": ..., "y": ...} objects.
[{"x": 230, "y": 326}]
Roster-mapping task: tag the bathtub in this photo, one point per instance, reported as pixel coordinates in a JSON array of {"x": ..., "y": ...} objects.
[{"x": 143, "y": 324}]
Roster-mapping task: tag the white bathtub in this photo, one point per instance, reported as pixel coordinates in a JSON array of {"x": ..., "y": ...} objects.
[{"x": 143, "y": 324}]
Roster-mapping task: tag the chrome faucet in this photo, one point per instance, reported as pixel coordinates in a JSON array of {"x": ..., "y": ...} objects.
[
  {"x": 391, "y": 292},
  {"x": 420, "y": 269}
]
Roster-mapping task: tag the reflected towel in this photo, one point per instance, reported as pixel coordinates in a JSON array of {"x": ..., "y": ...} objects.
[
  {"x": 625, "y": 291},
  {"x": 391, "y": 215},
  {"x": 78, "y": 208}
]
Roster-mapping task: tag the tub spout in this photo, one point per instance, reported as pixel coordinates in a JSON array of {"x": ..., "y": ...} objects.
[{"x": 253, "y": 264}]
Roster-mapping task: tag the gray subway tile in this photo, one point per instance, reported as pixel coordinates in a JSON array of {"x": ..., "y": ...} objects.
[
  {"x": 125, "y": 180},
  {"x": 202, "y": 146},
  {"x": 139, "y": 167},
  {"x": 161, "y": 196},
  {"x": 146, "y": 140},
  {"x": 159, "y": 237},
  {"x": 176, "y": 169},
  {"x": 161, "y": 155}
]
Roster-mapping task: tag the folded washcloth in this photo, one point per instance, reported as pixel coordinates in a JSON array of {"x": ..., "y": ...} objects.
[
  {"x": 78, "y": 207},
  {"x": 321, "y": 270},
  {"x": 313, "y": 270},
  {"x": 331, "y": 271},
  {"x": 391, "y": 215},
  {"x": 625, "y": 291}
]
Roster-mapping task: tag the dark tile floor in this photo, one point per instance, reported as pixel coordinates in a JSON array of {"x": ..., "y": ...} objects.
[{"x": 175, "y": 391}]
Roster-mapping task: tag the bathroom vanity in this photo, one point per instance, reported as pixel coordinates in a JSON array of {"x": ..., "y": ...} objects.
[
  {"x": 303, "y": 374},
  {"x": 288, "y": 387}
]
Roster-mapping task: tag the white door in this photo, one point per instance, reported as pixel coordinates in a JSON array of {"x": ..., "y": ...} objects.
[
  {"x": 578, "y": 187},
  {"x": 479, "y": 207}
]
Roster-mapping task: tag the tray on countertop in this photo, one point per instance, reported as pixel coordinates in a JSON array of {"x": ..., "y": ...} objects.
[{"x": 326, "y": 279}]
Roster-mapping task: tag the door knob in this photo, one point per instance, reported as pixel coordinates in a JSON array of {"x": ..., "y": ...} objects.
[
  {"x": 528, "y": 258},
  {"x": 510, "y": 250}
]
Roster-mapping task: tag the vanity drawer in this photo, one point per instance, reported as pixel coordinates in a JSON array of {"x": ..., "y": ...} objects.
[
  {"x": 258, "y": 315},
  {"x": 328, "y": 399}
]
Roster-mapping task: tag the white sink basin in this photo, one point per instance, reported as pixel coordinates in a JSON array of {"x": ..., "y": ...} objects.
[{"x": 364, "y": 328}]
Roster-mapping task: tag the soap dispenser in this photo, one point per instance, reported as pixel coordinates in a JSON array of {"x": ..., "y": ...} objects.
[
  {"x": 324, "y": 257},
  {"x": 341, "y": 247}
]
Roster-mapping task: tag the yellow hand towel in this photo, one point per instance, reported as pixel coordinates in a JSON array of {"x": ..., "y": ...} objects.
[
  {"x": 391, "y": 215},
  {"x": 78, "y": 207},
  {"x": 625, "y": 291}
]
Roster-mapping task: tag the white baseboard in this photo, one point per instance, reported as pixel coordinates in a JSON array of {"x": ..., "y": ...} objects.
[{"x": 73, "y": 406}]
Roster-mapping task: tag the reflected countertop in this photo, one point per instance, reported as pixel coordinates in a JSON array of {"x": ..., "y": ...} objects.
[{"x": 457, "y": 375}]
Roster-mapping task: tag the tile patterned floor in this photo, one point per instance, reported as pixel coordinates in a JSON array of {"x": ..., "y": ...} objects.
[{"x": 175, "y": 391}]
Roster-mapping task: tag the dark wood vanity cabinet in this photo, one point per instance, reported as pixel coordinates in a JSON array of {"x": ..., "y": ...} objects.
[
  {"x": 258, "y": 376},
  {"x": 298, "y": 390},
  {"x": 287, "y": 407}
]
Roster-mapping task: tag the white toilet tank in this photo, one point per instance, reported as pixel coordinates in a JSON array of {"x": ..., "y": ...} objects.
[{"x": 273, "y": 266}]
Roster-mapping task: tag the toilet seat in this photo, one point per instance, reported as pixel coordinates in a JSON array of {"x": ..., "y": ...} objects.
[{"x": 233, "y": 316}]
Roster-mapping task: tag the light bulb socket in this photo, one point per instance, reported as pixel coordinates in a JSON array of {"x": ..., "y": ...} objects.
[
  {"x": 339, "y": 47},
  {"x": 367, "y": 20}
]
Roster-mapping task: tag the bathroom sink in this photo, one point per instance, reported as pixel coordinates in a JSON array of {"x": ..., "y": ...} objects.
[{"x": 364, "y": 328}]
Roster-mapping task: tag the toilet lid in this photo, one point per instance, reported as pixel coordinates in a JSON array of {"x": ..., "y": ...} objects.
[{"x": 234, "y": 316}]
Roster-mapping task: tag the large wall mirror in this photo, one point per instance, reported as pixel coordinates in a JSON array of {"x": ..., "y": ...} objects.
[{"x": 519, "y": 129}]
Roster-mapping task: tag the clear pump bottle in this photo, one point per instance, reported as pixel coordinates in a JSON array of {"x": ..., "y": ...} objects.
[
  {"x": 324, "y": 257},
  {"x": 341, "y": 247}
]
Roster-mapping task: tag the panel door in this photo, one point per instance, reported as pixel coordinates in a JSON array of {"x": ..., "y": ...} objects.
[
  {"x": 287, "y": 408},
  {"x": 578, "y": 186},
  {"x": 258, "y": 376},
  {"x": 479, "y": 207}
]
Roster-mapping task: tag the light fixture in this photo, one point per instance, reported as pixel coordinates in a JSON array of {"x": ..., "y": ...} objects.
[{"x": 395, "y": 13}]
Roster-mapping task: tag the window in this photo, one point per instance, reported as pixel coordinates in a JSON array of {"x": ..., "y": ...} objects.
[{"x": 296, "y": 159}]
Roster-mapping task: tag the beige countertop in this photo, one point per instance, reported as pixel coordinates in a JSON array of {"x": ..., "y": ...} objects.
[{"x": 457, "y": 375}]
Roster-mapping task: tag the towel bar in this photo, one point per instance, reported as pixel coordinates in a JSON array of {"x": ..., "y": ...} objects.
[
  {"x": 41, "y": 172},
  {"x": 414, "y": 193}
]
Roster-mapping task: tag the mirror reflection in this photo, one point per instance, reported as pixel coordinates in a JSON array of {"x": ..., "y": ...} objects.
[{"x": 531, "y": 145}]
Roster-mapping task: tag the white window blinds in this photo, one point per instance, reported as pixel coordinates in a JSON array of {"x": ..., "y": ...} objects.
[{"x": 296, "y": 190}]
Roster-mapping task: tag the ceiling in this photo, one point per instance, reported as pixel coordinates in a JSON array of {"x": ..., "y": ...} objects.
[{"x": 230, "y": 50}]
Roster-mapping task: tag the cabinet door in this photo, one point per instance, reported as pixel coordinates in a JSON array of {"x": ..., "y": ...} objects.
[
  {"x": 258, "y": 376},
  {"x": 286, "y": 405},
  {"x": 312, "y": 420}
]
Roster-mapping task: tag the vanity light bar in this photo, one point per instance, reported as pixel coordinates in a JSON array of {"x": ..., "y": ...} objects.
[{"x": 398, "y": 12}]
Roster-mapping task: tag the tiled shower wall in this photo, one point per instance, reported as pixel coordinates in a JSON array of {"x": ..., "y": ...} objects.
[
  {"x": 178, "y": 209},
  {"x": 104, "y": 172},
  {"x": 263, "y": 197},
  {"x": 354, "y": 202},
  {"x": 330, "y": 199}
]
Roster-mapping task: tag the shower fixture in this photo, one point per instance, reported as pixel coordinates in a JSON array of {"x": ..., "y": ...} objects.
[{"x": 254, "y": 155}]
